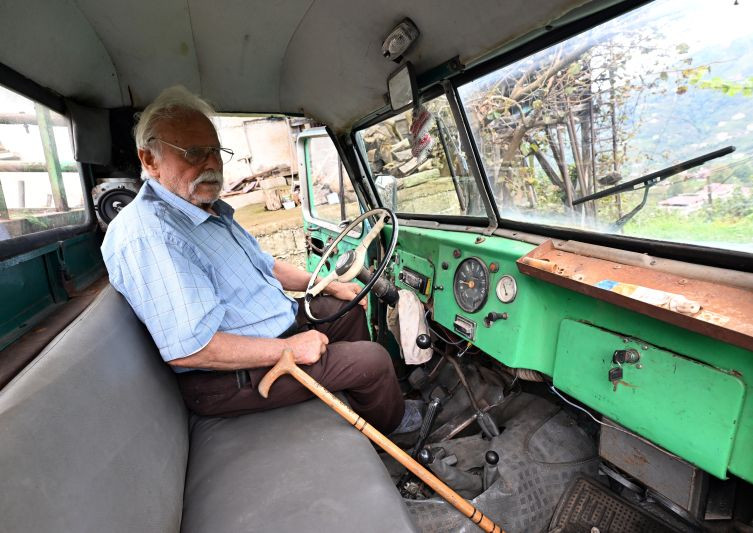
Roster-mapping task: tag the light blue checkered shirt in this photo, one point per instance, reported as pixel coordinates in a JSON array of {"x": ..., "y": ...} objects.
[{"x": 188, "y": 274}]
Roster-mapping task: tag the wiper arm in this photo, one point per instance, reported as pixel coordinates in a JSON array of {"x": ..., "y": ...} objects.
[{"x": 649, "y": 180}]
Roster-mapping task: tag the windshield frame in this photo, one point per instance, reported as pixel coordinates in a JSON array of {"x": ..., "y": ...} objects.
[
  {"x": 694, "y": 253},
  {"x": 433, "y": 90}
]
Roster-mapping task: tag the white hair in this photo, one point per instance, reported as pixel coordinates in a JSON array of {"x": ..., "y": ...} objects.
[{"x": 173, "y": 102}]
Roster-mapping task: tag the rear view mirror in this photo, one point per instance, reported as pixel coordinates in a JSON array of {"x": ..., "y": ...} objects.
[{"x": 401, "y": 86}]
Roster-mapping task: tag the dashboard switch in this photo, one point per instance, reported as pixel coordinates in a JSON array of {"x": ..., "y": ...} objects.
[
  {"x": 465, "y": 327},
  {"x": 414, "y": 280},
  {"x": 492, "y": 317}
]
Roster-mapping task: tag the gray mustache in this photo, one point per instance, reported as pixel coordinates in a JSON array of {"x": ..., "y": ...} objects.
[{"x": 208, "y": 176}]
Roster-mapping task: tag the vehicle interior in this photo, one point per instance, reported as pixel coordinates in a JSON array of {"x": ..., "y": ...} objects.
[{"x": 549, "y": 206}]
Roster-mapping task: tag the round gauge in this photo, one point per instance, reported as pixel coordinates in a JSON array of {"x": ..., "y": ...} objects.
[
  {"x": 507, "y": 289},
  {"x": 471, "y": 285}
]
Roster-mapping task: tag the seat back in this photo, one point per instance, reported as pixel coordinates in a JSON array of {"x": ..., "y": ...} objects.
[{"x": 94, "y": 433}]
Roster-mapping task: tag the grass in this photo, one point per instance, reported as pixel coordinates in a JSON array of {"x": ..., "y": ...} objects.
[{"x": 697, "y": 228}]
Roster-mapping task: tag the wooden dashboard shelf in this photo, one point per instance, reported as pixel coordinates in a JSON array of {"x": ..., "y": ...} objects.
[{"x": 717, "y": 310}]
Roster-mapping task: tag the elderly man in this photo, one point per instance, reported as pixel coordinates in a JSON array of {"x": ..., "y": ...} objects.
[{"x": 214, "y": 302}]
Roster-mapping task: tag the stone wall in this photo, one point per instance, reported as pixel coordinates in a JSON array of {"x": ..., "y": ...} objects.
[{"x": 286, "y": 243}]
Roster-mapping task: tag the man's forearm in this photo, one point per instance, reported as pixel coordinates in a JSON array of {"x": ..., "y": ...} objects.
[
  {"x": 290, "y": 276},
  {"x": 293, "y": 278},
  {"x": 226, "y": 351}
]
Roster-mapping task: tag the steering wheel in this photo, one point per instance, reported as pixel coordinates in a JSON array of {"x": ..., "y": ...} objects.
[{"x": 349, "y": 265}]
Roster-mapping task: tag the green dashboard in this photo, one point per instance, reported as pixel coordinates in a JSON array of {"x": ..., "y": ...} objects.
[{"x": 689, "y": 393}]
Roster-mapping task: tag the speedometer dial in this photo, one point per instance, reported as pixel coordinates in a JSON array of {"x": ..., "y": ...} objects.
[{"x": 471, "y": 285}]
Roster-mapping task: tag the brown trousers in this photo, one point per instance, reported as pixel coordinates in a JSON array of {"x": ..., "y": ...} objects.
[{"x": 352, "y": 364}]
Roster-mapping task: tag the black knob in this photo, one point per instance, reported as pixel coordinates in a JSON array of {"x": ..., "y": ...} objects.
[
  {"x": 491, "y": 457},
  {"x": 423, "y": 341},
  {"x": 425, "y": 457},
  {"x": 492, "y": 317}
]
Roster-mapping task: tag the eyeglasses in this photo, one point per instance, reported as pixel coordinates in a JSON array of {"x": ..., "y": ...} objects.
[{"x": 197, "y": 155}]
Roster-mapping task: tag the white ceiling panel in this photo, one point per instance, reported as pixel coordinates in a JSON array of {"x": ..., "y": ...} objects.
[
  {"x": 320, "y": 57},
  {"x": 53, "y": 44},
  {"x": 240, "y": 51},
  {"x": 150, "y": 42}
]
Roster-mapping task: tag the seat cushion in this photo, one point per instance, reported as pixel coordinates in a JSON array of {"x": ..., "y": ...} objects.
[
  {"x": 299, "y": 468},
  {"x": 94, "y": 433}
]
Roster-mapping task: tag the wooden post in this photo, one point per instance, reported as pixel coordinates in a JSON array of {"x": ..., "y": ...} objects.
[
  {"x": 3, "y": 207},
  {"x": 51, "y": 157},
  {"x": 21, "y": 193},
  {"x": 272, "y": 199}
]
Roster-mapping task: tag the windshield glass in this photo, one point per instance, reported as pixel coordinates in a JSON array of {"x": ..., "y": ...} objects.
[
  {"x": 658, "y": 86},
  {"x": 434, "y": 180}
]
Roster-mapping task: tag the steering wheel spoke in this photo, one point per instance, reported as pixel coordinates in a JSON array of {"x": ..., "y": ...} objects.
[
  {"x": 351, "y": 263},
  {"x": 323, "y": 283},
  {"x": 371, "y": 235}
]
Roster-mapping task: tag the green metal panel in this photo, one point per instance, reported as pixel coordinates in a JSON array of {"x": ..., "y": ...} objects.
[
  {"x": 528, "y": 338},
  {"x": 31, "y": 284},
  {"x": 24, "y": 294},
  {"x": 82, "y": 259},
  {"x": 689, "y": 408}
]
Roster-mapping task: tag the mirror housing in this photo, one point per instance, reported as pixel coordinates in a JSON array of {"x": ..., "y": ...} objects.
[
  {"x": 386, "y": 186},
  {"x": 401, "y": 88}
]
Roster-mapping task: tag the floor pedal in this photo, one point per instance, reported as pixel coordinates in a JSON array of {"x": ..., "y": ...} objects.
[{"x": 589, "y": 506}]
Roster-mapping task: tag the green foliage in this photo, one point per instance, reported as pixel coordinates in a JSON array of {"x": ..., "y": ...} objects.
[
  {"x": 736, "y": 206},
  {"x": 697, "y": 76}
]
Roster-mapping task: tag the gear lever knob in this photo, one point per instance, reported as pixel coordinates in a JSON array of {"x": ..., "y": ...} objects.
[
  {"x": 425, "y": 457},
  {"x": 491, "y": 457},
  {"x": 490, "y": 468},
  {"x": 423, "y": 341}
]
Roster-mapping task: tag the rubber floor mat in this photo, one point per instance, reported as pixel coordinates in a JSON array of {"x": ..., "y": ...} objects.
[{"x": 589, "y": 506}]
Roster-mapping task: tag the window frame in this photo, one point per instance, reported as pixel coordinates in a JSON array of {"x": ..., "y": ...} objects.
[
  {"x": 692, "y": 253},
  {"x": 434, "y": 90},
  {"x": 303, "y": 168},
  {"x": 28, "y": 244}
]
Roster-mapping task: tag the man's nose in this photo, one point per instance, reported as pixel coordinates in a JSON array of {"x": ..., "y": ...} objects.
[{"x": 213, "y": 162}]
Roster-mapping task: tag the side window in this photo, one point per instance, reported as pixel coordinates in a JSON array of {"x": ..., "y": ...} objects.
[
  {"x": 437, "y": 182},
  {"x": 331, "y": 195},
  {"x": 40, "y": 187}
]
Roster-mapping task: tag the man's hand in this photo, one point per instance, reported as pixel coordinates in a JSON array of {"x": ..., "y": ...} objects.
[
  {"x": 308, "y": 347},
  {"x": 346, "y": 292}
]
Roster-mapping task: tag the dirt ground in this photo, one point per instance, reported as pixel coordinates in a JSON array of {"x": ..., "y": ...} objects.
[{"x": 255, "y": 218}]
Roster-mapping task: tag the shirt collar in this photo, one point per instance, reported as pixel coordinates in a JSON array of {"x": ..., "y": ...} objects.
[{"x": 194, "y": 213}]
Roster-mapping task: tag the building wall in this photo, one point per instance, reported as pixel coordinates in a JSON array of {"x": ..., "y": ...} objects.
[{"x": 259, "y": 143}]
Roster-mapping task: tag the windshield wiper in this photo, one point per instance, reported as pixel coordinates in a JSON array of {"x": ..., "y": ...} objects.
[{"x": 649, "y": 180}]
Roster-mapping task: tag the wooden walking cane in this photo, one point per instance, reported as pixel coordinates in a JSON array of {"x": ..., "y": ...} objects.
[{"x": 286, "y": 365}]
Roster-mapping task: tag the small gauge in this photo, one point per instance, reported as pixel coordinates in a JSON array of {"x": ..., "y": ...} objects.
[
  {"x": 507, "y": 289},
  {"x": 471, "y": 285}
]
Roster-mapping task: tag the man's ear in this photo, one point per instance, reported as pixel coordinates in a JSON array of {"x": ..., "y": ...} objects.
[{"x": 149, "y": 162}]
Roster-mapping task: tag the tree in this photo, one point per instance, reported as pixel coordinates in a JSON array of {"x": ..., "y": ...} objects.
[{"x": 566, "y": 114}]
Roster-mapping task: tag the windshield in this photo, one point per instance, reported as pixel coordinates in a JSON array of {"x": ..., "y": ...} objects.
[
  {"x": 661, "y": 85},
  {"x": 434, "y": 180}
]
